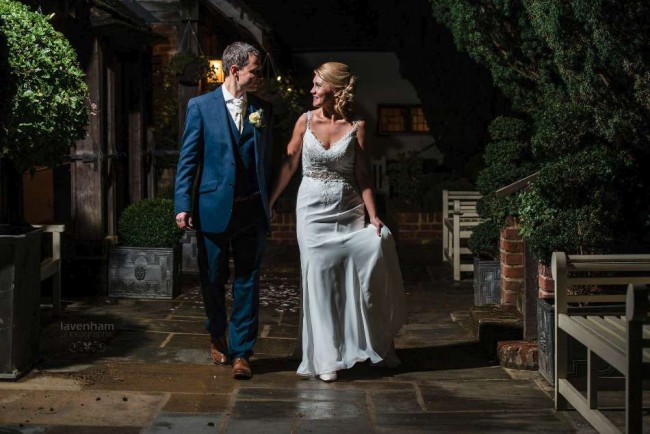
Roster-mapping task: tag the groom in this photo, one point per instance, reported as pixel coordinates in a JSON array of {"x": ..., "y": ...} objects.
[{"x": 225, "y": 152}]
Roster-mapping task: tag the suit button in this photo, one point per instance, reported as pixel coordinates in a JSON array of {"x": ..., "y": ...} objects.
[
  {"x": 232, "y": 185},
  {"x": 232, "y": 164}
]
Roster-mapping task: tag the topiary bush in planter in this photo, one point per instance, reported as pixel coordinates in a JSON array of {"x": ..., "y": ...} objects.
[
  {"x": 507, "y": 159},
  {"x": 43, "y": 110},
  {"x": 147, "y": 264}
]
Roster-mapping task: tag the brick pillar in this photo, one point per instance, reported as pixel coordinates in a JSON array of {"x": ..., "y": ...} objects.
[
  {"x": 512, "y": 263},
  {"x": 545, "y": 281}
]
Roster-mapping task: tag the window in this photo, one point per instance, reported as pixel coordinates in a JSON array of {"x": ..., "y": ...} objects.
[{"x": 394, "y": 119}]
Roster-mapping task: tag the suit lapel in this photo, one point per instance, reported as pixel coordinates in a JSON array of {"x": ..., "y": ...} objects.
[
  {"x": 221, "y": 110},
  {"x": 252, "y": 107},
  {"x": 224, "y": 118}
]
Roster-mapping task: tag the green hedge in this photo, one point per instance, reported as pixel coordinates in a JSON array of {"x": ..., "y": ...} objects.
[{"x": 149, "y": 223}]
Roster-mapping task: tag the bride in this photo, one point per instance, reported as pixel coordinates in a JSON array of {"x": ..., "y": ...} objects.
[{"x": 353, "y": 294}]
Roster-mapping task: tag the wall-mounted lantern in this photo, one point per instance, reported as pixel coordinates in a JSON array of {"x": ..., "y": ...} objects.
[{"x": 217, "y": 74}]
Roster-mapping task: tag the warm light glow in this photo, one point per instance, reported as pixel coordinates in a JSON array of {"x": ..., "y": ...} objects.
[{"x": 217, "y": 74}]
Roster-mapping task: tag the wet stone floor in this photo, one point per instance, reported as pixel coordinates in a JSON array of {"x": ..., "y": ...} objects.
[{"x": 143, "y": 366}]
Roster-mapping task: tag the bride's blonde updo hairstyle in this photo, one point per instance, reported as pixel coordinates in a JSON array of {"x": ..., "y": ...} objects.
[{"x": 338, "y": 75}]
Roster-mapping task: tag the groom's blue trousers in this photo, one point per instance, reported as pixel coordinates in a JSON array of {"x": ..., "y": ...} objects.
[{"x": 245, "y": 237}]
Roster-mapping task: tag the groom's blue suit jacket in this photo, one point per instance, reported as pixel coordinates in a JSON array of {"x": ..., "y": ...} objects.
[{"x": 208, "y": 159}]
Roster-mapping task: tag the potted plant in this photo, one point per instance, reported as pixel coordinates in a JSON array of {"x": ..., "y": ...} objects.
[
  {"x": 484, "y": 244},
  {"x": 43, "y": 110},
  {"x": 147, "y": 263},
  {"x": 189, "y": 67}
]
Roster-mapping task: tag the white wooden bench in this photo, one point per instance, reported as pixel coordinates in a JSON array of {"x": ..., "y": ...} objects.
[
  {"x": 459, "y": 218},
  {"x": 51, "y": 266},
  {"x": 616, "y": 339}
]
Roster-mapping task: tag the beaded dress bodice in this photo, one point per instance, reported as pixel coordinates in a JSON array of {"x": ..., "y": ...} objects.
[{"x": 335, "y": 164}]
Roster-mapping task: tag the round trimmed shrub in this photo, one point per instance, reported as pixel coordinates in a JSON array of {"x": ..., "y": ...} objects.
[
  {"x": 484, "y": 241},
  {"x": 149, "y": 223},
  {"x": 46, "y": 96},
  {"x": 507, "y": 159}
]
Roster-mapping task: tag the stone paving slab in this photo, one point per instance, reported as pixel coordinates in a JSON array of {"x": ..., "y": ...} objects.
[
  {"x": 482, "y": 395},
  {"x": 215, "y": 403},
  {"x": 167, "y": 422},
  {"x": 67, "y": 429},
  {"x": 163, "y": 378},
  {"x": 83, "y": 407},
  {"x": 505, "y": 421}
]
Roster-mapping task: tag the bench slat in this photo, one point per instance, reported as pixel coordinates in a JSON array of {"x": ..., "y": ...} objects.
[
  {"x": 610, "y": 353},
  {"x": 609, "y": 258},
  {"x": 617, "y": 321},
  {"x": 608, "y": 280},
  {"x": 609, "y": 266},
  {"x": 603, "y": 328},
  {"x": 601, "y": 298}
]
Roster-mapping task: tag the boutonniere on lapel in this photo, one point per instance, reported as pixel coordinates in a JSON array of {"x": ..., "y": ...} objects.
[{"x": 257, "y": 118}]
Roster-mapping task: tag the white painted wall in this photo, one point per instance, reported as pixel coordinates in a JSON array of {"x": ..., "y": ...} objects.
[{"x": 379, "y": 82}]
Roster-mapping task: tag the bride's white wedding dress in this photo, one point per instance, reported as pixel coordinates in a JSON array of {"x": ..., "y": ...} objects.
[{"x": 353, "y": 293}]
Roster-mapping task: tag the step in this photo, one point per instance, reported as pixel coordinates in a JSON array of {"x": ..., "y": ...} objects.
[
  {"x": 522, "y": 355},
  {"x": 493, "y": 323}
]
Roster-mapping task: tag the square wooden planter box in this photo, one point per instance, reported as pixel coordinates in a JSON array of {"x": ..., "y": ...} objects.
[
  {"x": 144, "y": 272},
  {"x": 20, "y": 292}
]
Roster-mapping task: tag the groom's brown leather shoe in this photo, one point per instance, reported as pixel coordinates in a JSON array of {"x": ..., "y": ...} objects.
[
  {"x": 241, "y": 369},
  {"x": 218, "y": 351}
]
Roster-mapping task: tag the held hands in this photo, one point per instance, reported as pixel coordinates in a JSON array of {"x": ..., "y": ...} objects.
[
  {"x": 376, "y": 222},
  {"x": 184, "y": 220},
  {"x": 272, "y": 210}
]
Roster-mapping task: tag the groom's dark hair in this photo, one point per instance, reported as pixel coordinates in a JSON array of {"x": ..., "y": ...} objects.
[{"x": 237, "y": 54}]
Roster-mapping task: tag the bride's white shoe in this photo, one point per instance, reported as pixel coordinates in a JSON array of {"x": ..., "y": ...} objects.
[{"x": 328, "y": 377}]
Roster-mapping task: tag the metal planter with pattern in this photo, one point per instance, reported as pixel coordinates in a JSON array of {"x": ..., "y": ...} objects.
[{"x": 144, "y": 272}]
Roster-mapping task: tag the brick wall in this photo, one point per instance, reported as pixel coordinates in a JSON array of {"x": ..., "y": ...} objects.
[
  {"x": 545, "y": 282},
  {"x": 283, "y": 228},
  {"x": 416, "y": 227},
  {"x": 408, "y": 227},
  {"x": 511, "y": 246}
]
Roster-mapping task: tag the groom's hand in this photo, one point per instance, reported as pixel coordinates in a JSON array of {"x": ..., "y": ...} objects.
[{"x": 184, "y": 220}]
